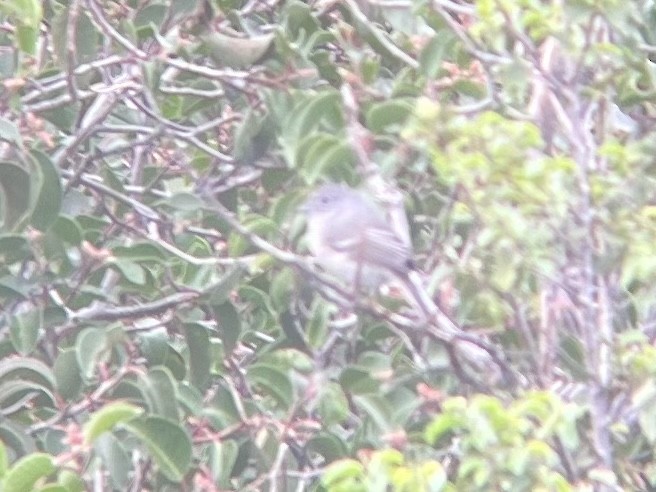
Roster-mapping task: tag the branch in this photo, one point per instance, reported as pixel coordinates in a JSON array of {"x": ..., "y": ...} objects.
[
  {"x": 477, "y": 352},
  {"x": 394, "y": 50},
  {"x": 108, "y": 312},
  {"x": 106, "y": 27}
]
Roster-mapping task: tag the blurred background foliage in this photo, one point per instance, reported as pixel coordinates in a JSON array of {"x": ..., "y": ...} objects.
[{"x": 159, "y": 328}]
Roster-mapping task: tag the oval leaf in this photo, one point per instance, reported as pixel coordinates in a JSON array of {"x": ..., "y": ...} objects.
[
  {"x": 49, "y": 198},
  {"x": 167, "y": 442},
  {"x": 15, "y": 193},
  {"x": 107, "y": 418},
  {"x": 24, "y": 330},
  {"x": 26, "y": 471}
]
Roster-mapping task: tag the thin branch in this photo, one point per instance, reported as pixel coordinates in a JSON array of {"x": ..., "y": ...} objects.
[
  {"x": 94, "y": 397},
  {"x": 58, "y": 82},
  {"x": 463, "y": 9},
  {"x": 106, "y": 27},
  {"x": 380, "y": 36},
  {"x": 92, "y": 182},
  {"x": 468, "y": 43},
  {"x": 71, "y": 48},
  {"x": 184, "y": 133},
  {"x": 107, "y": 312},
  {"x": 190, "y": 91},
  {"x": 99, "y": 110}
]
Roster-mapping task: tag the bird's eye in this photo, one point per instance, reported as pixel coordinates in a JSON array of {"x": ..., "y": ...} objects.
[{"x": 324, "y": 199}]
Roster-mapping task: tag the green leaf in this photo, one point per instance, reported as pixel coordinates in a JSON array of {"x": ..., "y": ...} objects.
[
  {"x": 128, "y": 390},
  {"x": 433, "y": 54},
  {"x": 108, "y": 417},
  {"x": 14, "y": 193},
  {"x": 68, "y": 230},
  {"x": 27, "y": 12},
  {"x": 182, "y": 6},
  {"x": 131, "y": 271},
  {"x": 282, "y": 287},
  {"x": 9, "y": 132},
  {"x": 24, "y": 330},
  {"x": 222, "y": 461},
  {"x": 27, "y": 38},
  {"x": 13, "y": 248},
  {"x": 328, "y": 446},
  {"x": 644, "y": 398},
  {"x": 299, "y": 19},
  {"x": 258, "y": 224},
  {"x": 154, "y": 347},
  {"x": 341, "y": 470},
  {"x": 167, "y": 443},
  {"x": 229, "y": 325},
  {"x": 16, "y": 395},
  {"x": 24, "y": 474},
  {"x": 139, "y": 252},
  {"x": 333, "y": 406},
  {"x": 308, "y": 115},
  {"x": 72, "y": 481},
  {"x": 15, "y": 437},
  {"x": 27, "y": 369},
  {"x": 253, "y": 137},
  {"x": 378, "y": 409},
  {"x": 358, "y": 381},
  {"x": 159, "y": 389},
  {"x": 198, "y": 343},
  {"x": 236, "y": 52},
  {"x": 115, "y": 459},
  {"x": 388, "y": 115},
  {"x": 292, "y": 330},
  {"x": 62, "y": 117},
  {"x": 154, "y": 13},
  {"x": 52, "y": 487},
  {"x": 317, "y": 327},
  {"x": 7, "y": 64},
  {"x": 4, "y": 460},
  {"x": 49, "y": 196},
  {"x": 175, "y": 363},
  {"x": 336, "y": 162},
  {"x": 220, "y": 291},
  {"x": 186, "y": 202},
  {"x": 190, "y": 398},
  {"x": 442, "y": 425},
  {"x": 86, "y": 37},
  {"x": 223, "y": 409},
  {"x": 273, "y": 381},
  {"x": 91, "y": 350},
  {"x": 68, "y": 374},
  {"x": 13, "y": 288}
]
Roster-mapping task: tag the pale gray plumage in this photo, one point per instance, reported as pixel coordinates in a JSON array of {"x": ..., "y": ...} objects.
[{"x": 351, "y": 238}]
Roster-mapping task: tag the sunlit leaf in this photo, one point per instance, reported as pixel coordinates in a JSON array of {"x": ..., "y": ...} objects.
[
  {"x": 27, "y": 471},
  {"x": 106, "y": 418}
]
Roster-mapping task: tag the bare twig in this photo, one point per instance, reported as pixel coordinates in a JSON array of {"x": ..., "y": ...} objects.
[{"x": 106, "y": 312}]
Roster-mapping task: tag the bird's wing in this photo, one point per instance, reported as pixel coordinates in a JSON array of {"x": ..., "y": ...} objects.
[
  {"x": 381, "y": 246},
  {"x": 363, "y": 234},
  {"x": 376, "y": 246}
]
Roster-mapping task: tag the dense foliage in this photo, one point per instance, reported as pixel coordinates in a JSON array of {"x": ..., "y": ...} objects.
[{"x": 161, "y": 326}]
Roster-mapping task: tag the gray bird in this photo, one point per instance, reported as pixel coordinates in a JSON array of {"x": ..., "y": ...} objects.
[{"x": 351, "y": 238}]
